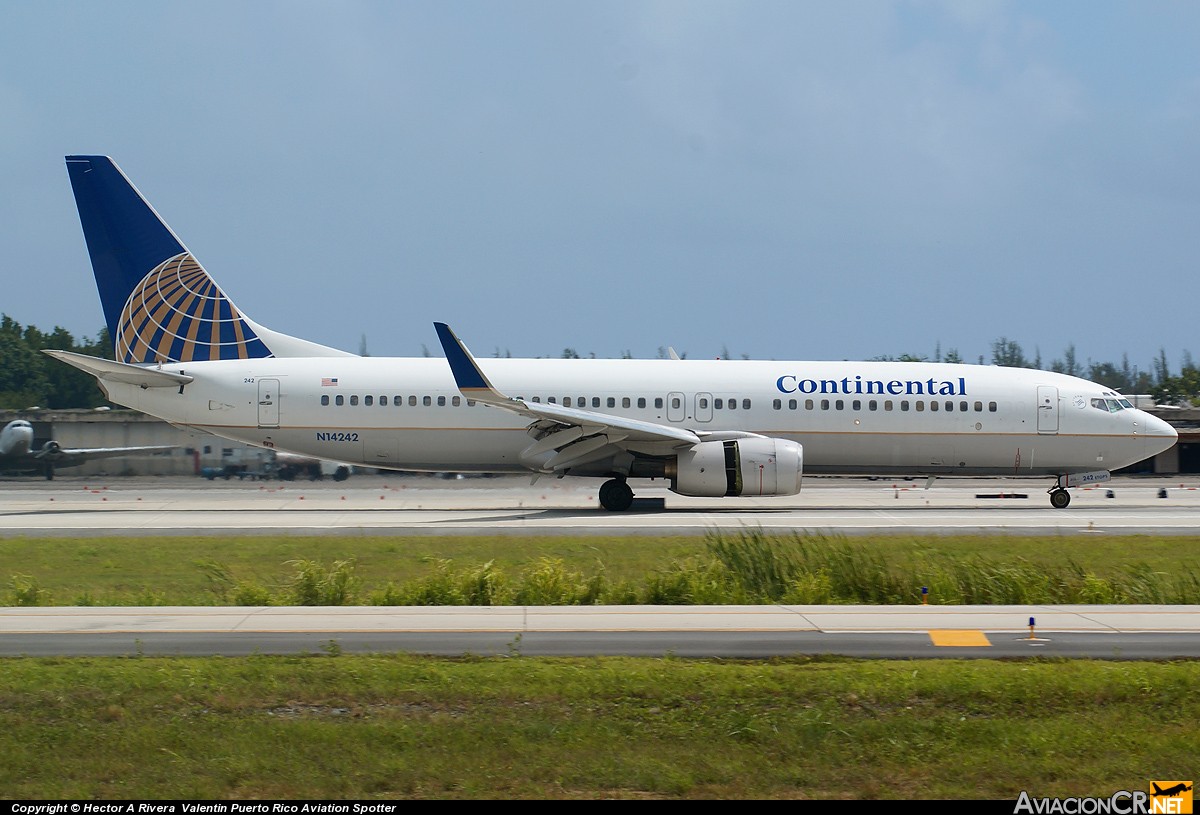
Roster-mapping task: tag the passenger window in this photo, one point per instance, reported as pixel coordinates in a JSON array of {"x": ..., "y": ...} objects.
[
  {"x": 920, "y": 406},
  {"x": 441, "y": 401},
  {"x": 824, "y": 404},
  {"x": 733, "y": 404},
  {"x": 791, "y": 404},
  {"x": 856, "y": 404},
  {"x": 368, "y": 401},
  {"x": 991, "y": 407},
  {"x": 979, "y": 407},
  {"x": 719, "y": 404},
  {"x": 456, "y": 401},
  {"x": 354, "y": 400},
  {"x": 625, "y": 402},
  {"x": 962, "y": 406},
  {"x": 887, "y": 404},
  {"x": 551, "y": 400},
  {"x": 777, "y": 404},
  {"x": 339, "y": 400},
  {"x": 703, "y": 403},
  {"x": 839, "y": 404},
  {"x": 537, "y": 399},
  {"x": 566, "y": 401},
  {"x": 904, "y": 404},
  {"x": 641, "y": 401},
  {"x": 612, "y": 402},
  {"x": 872, "y": 405},
  {"x": 581, "y": 401},
  {"x": 675, "y": 402},
  {"x": 595, "y": 401},
  {"x": 933, "y": 406},
  {"x": 745, "y": 404},
  {"x": 808, "y": 404},
  {"x": 949, "y": 406},
  {"x": 325, "y": 399},
  {"x": 383, "y": 401},
  {"x": 426, "y": 401}
]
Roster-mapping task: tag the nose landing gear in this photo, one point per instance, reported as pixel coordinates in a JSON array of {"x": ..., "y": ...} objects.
[{"x": 1059, "y": 497}]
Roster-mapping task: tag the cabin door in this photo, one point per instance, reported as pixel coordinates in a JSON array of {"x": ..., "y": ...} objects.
[
  {"x": 1047, "y": 409},
  {"x": 268, "y": 403}
]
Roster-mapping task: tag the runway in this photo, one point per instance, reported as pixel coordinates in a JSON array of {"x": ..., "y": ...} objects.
[
  {"x": 397, "y": 505},
  {"x": 423, "y": 505},
  {"x": 745, "y": 632}
]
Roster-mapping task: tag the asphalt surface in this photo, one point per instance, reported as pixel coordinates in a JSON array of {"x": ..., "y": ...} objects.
[{"x": 374, "y": 504}]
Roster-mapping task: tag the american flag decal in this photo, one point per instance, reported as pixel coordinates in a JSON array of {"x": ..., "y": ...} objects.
[{"x": 328, "y": 381}]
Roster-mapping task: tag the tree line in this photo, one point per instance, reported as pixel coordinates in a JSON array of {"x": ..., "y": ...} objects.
[{"x": 29, "y": 378}]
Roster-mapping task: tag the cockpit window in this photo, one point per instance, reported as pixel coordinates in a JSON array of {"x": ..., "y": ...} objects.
[
  {"x": 1125, "y": 403},
  {"x": 1110, "y": 405}
]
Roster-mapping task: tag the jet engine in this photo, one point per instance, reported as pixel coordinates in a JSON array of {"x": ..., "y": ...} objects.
[{"x": 757, "y": 466}]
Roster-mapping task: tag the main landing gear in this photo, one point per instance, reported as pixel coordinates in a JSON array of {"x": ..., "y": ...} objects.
[
  {"x": 1059, "y": 498},
  {"x": 615, "y": 495}
]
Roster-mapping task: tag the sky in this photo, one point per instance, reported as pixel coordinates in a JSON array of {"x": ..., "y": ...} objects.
[{"x": 777, "y": 180}]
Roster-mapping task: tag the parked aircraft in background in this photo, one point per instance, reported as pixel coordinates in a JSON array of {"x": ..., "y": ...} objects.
[
  {"x": 17, "y": 453},
  {"x": 186, "y": 354}
]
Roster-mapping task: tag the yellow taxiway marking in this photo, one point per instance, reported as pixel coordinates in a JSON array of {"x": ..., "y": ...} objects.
[{"x": 950, "y": 637}]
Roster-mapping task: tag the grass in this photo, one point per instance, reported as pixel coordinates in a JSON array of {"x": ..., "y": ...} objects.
[
  {"x": 411, "y": 727},
  {"x": 403, "y": 726},
  {"x": 751, "y": 567}
]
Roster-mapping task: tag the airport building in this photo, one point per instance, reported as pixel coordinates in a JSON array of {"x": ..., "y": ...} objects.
[{"x": 203, "y": 454}]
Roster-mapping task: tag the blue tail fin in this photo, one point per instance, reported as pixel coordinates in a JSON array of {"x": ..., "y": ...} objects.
[{"x": 159, "y": 303}]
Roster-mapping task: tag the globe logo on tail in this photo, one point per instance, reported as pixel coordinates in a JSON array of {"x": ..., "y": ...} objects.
[{"x": 179, "y": 314}]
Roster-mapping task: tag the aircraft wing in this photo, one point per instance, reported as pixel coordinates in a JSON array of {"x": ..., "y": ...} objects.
[
  {"x": 66, "y": 456},
  {"x": 578, "y": 436}
]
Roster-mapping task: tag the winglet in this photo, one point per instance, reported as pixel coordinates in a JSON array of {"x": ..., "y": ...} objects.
[{"x": 467, "y": 374}]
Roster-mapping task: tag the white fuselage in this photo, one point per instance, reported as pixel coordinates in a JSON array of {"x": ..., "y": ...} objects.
[
  {"x": 850, "y": 417},
  {"x": 16, "y": 440}
]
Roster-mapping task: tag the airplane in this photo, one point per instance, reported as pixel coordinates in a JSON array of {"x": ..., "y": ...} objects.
[
  {"x": 17, "y": 453},
  {"x": 709, "y": 428},
  {"x": 1170, "y": 792}
]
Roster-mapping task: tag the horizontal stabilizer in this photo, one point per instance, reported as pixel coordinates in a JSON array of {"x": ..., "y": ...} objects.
[{"x": 110, "y": 371}]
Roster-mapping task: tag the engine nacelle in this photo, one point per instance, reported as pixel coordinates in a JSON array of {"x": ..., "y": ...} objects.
[
  {"x": 713, "y": 469},
  {"x": 50, "y": 451}
]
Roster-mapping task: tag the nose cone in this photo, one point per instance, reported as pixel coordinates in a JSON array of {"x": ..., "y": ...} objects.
[{"x": 1160, "y": 435}]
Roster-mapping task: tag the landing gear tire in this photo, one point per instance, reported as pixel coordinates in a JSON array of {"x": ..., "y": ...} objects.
[
  {"x": 615, "y": 495},
  {"x": 1059, "y": 498}
]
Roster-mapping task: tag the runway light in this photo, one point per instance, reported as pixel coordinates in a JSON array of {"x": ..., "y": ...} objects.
[
  {"x": 1031, "y": 624},
  {"x": 924, "y": 595}
]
